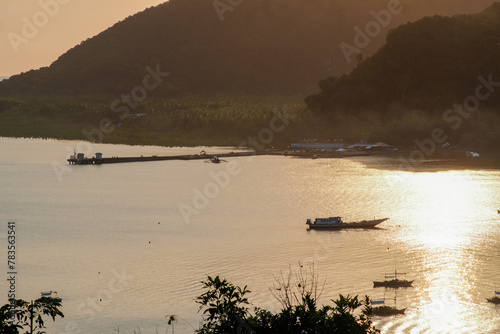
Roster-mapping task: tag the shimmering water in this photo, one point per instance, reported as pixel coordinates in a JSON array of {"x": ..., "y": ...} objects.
[{"x": 112, "y": 241}]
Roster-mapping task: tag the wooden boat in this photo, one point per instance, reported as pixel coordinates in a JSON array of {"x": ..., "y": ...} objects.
[
  {"x": 337, "y": 223},
  {"x": 385, "y": 311},
  {"x": 495, "y": 299},
  {"x": 394, "y": 282},
  {"x": 215, "y": 160}
]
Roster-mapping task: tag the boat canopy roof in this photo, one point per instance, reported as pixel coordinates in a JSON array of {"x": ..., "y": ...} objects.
[{"x": 331, "y": 220}]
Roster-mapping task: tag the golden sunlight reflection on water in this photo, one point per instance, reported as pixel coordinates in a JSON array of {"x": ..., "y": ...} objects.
[{"x": 449, "y": 229}]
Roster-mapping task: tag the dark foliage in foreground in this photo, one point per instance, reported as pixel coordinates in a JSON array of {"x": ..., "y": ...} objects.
[
  {"x": 225, "y": 311},
  {"x": 19, "y": 315}
]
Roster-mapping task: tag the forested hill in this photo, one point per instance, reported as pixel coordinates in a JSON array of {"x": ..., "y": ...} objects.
[
  {"x": 247, "y": 46},
  {"x": 429, "y": 64}
]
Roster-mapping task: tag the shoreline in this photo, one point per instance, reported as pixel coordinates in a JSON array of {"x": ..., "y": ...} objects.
[{"x": 454, "y": 159}]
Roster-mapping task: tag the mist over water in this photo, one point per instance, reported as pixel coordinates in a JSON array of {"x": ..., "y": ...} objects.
[{"x": 111, "y": 240}]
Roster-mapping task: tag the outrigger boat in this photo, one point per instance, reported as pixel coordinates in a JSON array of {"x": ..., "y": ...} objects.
[
  {"x": 394, "y": 283},
  {"x": 52, "y": 295},
  {"x": 215, "y": 160},
  {"x": 495, "y": 299},
  {"x": 337, "y": 223},
  {"x": 384, "y": 310}
]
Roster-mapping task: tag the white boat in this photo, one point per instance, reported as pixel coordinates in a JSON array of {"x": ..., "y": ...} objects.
[
  {"x": 52, "y": 295},
  {"x": 337, "y": 223}
]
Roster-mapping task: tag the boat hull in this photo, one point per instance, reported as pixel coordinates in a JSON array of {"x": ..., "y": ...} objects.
[
  {"x": 363, "y": 224},
  {"x": 393, "y": 284},
  {"x": 385, "y": 311},
  {"x": 494, "y": 300}
]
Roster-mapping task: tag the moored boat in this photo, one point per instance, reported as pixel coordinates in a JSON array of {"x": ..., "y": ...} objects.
[
  {"x": 495, "y": 299},
  {"x": 337, "y": 223},
  {"x": 394, "y": 282},
  {"x": 215, "y": 160},
  {"x": 384, "y": 311},
  {"x": 51, "y": 295}
]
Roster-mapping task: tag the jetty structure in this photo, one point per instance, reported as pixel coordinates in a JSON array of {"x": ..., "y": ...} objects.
[
  {"x": 99, "y": 159},
  {"x": 303, "y": 149}
]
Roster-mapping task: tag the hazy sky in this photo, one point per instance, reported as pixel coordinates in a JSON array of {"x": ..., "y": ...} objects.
[
  {"x": 34, "y": 33},
  {"x": 32, "y": 36}
]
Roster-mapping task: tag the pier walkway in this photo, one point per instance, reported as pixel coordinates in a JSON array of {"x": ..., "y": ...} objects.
[{"x": 79, "y": 159}]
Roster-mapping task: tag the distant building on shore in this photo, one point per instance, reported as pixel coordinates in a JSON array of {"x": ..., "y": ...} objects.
[
  {"x": 313, "y": 145},
  {"x": 379, "y": 147}
]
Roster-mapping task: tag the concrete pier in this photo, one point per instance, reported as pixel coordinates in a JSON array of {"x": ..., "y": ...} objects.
[{"x": 79, "y": 159}]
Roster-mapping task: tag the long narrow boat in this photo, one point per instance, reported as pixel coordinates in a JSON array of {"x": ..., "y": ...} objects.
[{"x": 337, "y": 223}]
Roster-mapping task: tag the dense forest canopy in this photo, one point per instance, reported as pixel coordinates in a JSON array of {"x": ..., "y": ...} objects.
[
  {"x": 219, "y": 47},
  {"x": 429, "y": 64}
]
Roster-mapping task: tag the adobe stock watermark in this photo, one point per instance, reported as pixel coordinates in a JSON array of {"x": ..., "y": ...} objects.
[
  {"x": 363, "y": 38},
  {"x": 325, "y": 249},
  {"x": 223, "y": 6},
  {"x": 439, "y": 303},
  {"x": 12, "y": 262},
  {"x": 31, "y": 26},
  {"x": 222, "y": 179},
  {"x": 453, "y": 117},
  {"x": 123, "y": 105},
  {"x": 92, "y": 306}
]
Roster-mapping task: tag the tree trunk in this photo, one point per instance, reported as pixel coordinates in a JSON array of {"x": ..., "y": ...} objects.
[{"x": 31, "y": 318}]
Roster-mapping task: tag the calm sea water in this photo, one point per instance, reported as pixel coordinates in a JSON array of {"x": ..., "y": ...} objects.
[{"x": 114, "y": 244}]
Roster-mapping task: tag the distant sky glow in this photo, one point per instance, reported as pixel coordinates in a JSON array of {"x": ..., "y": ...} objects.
[{"x": 34, "y": 33}]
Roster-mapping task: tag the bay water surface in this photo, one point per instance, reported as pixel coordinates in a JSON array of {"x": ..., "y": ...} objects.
[{"x": 125, "y": 245}]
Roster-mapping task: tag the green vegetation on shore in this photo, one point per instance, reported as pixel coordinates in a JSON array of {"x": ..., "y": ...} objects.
[
  {"x": 189, "y": 121},
  {"x": 230, "y": 121}
]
